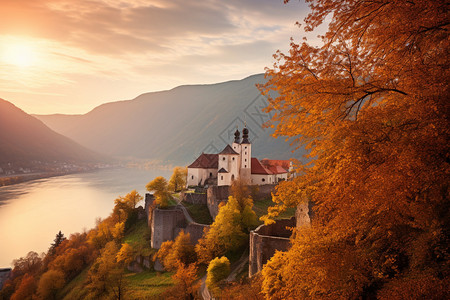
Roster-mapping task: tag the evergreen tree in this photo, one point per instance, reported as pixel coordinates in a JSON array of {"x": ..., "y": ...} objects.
[{"x": 56, "y": 242}]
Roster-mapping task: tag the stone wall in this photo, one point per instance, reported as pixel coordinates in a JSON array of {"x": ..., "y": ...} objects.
[
  {"x": 265, "y": 240},
  {"x": 303, "y": 214},
  {"x": 164, "y": 225},
  {"x": 194, "y": 198},
  {"x": 196, "y": 231},
  {"x": 149, "y": 199},
  {"x": 215, "y": 195}
]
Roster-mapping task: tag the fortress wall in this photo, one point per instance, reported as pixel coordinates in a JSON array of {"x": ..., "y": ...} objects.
[
  {"x": 196, "y": 231},
  {"x": 164, "y": 225},
  {"x": 215, "y": 195},
  {"x": 265, "y": 240}
]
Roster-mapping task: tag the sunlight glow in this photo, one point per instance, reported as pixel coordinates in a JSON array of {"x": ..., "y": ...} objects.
[{"x": 19, "y": 54}]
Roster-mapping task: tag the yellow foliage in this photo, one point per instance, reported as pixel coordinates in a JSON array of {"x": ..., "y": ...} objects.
[
  {"x": 218, "y": 270},
  {"x": 125, "y": 254},
  {"x": 50, "y": 283},
  {"x": 177, "y": 181}
]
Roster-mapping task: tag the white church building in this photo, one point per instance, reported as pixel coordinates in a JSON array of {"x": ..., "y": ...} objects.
[{"x": 236, "y": 162}]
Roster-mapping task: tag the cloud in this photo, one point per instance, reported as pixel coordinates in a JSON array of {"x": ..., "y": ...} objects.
[{"x": 143, "y": 44}]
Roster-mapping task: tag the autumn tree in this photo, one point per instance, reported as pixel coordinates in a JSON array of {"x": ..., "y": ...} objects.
[
  {"x": 106, "y": 275},
  {"x": 229, "y": 231},
  {"x": 371, "y": 105},
  {"x": 159, "y": 187},
  {"x": 26, "y": 288},
  {"x": 218, "y": 270},
  {"x": 186, "y": 283},
  {"x": 174, "y": 253},
  {"x": 57, "y": 241},
  {"x": 50, "y": 283},
  {"x": 177, "y": 181}
]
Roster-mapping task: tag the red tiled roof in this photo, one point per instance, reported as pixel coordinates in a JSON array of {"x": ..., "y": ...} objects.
[
  {"x": 206, "y": 161},
  {"x": 285, "y": 164},
  {"x": 277, "y": 170},
  {"x": 228, "y": 150},
  {"x": 258, "y": 168}
]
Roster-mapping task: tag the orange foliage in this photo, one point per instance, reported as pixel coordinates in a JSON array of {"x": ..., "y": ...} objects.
[
  {"x": 26, "y": 288},
  {"x": 371, "y": 105}
]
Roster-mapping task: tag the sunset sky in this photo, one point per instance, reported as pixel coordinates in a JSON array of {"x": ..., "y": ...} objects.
[{"x": 68, "y": 56}]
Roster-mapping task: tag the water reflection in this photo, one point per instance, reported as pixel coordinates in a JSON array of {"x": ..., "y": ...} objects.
[{"x": 31, "y": 213}]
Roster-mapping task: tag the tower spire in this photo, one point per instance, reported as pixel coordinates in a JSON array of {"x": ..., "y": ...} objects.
[
  {"x": 237, "y": 138},
  {"x": 245, "y": 135}
]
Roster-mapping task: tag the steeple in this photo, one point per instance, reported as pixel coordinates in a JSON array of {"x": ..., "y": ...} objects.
[
  {"x": 245, "y": 135},
  {"x": 237, "y": 138}
]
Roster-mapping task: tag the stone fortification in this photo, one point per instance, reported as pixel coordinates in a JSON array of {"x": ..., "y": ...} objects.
[
  {"x": 215, "y": 195},
  {"x": 265, "y": 240},
  {"x": 165, "y": 225}
]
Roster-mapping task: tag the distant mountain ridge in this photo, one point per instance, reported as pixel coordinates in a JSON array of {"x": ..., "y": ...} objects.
[
  {"x": 23, "y": 138},
  {"x": 176, "y": 125}
]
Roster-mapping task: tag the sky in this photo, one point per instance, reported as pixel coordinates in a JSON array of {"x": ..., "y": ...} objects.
[{"x": 69, "y": 56}]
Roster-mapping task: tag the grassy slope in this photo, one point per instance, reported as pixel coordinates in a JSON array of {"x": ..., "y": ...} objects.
[
  {"x": 139, "y": 238},
  {"x": 140, "y": 285},
  {"x": 260, "y": 208},
  {"x": 147, "y": 284},
  {"x": 199, "y": 213}
]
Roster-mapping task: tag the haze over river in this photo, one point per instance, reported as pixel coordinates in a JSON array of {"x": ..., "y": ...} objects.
[{"x": 31, "y": 213}]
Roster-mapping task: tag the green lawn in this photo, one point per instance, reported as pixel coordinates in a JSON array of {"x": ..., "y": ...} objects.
[
  {"x": 139, "y": 238},
  {"x": 147, "y": 284},
  {"x": 199, "y": 213}
]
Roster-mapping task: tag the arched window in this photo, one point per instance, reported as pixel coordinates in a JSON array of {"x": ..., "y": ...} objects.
[
  {"x": 223, "y": 158},
  {"x": 245, "y": 160},
  {"x": 232, "y": 177},
  {"x": 192, "y": 176},
  {"x": 210, "y": 174},
  {"x": 233, "y": 158},
  {"x": 263, "y": 179}
]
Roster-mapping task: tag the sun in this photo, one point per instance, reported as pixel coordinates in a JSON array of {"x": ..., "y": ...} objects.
[{"x": 19, "y": 54}]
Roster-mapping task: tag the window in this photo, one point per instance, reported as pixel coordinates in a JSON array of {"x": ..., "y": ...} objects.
[
  {"x": 223, "y": 158},
  {"x": 233, "y": 158},
  {"x": 245, "y": 160},
  {"x": 192, "y": 176},
  {"x": 221, "y": 177},
  {"x": 263, "y": 180},
  {"x": 246, "y": 153},
  {"x": 245, "y": 147},
  {"x": 210, "y": 174},
  {"x": 245, "y": 166}
]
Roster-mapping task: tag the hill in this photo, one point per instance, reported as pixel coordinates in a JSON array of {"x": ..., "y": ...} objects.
[
  {"x": 175, "y": 125},
  {"x": 23, "y": 138}
]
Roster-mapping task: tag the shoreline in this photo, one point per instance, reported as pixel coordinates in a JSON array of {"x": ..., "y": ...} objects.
[{"x": 20, "y": 178}]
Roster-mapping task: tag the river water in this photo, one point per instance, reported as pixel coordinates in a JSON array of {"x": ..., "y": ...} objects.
[{"x": 31, "y": 213}]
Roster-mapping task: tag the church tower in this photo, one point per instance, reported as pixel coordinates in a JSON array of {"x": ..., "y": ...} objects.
[
  {"x": 237, "y": 147},
  {"x": 246, "y": 157}
]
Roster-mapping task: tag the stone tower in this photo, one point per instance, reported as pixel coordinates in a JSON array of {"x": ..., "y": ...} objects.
[{"x": 246, "y": 157}]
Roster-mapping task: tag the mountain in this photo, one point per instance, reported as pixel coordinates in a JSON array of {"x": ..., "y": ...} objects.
[
  {"x": 23, "y": 138},
  {"x": 176, "y": 125}
]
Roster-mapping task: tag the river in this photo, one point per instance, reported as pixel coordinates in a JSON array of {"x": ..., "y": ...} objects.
[{"x": 31, "y": 213}]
